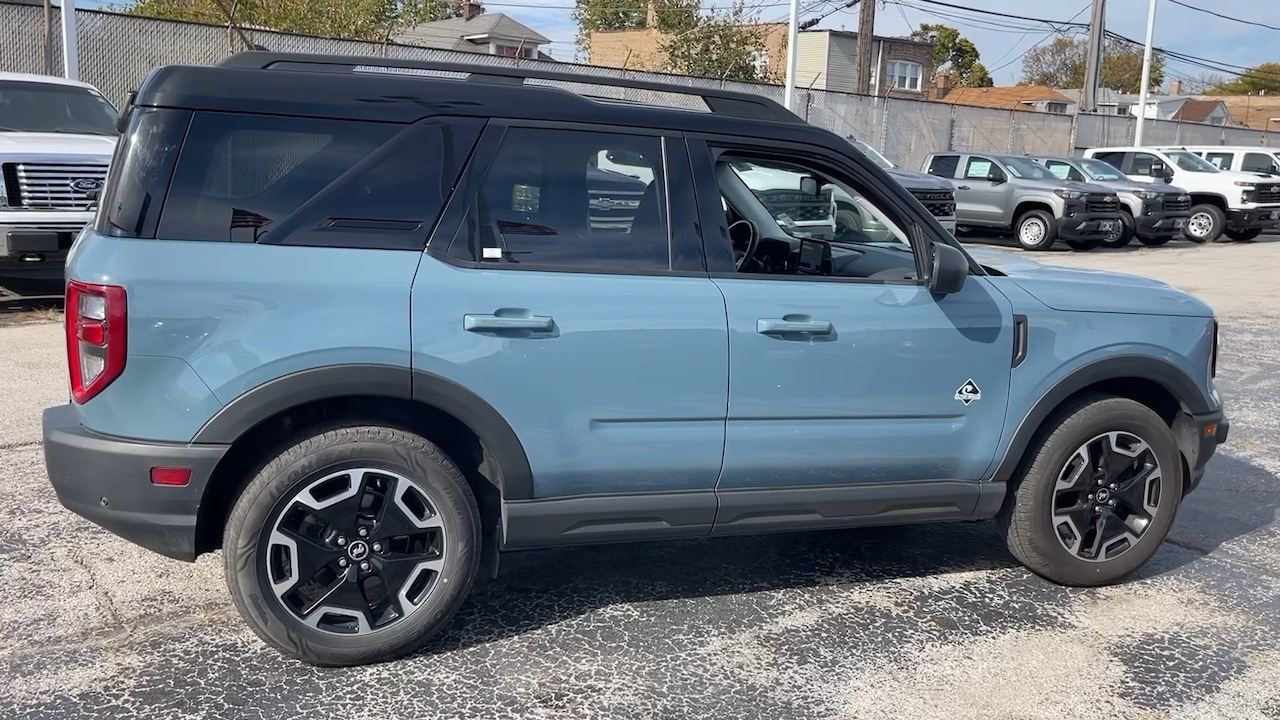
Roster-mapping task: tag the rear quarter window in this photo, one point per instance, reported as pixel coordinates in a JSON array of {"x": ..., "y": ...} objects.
[
  {"x": 140, "y": 171},
  {"x": 310, "y": 181}
]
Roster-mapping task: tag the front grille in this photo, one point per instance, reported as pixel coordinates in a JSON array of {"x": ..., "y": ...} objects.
[
  {"x": 53, "y": 186},
  {"x": 939, "y": 203},
  {"x": 1267, "y": 194},
  {"x": 1175, "y": 203},
  {"x": 1102, "y": 204}
]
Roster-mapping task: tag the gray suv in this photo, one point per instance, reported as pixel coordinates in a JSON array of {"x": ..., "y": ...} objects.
[
  {"x": 1014, "y": 192},
  {"x": 1155, "y": 213}
]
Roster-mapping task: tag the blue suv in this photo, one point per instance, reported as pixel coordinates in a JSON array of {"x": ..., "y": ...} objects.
[{"x": 366, "y": 324}]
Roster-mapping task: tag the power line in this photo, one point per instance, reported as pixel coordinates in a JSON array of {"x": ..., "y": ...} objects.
[
  {"x": 1224, "y": 17},
  {"x": 1046, "y": 38},
  {"x": 1005, "y": 15}
]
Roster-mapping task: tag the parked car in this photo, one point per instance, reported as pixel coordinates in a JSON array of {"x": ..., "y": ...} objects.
[
  {"x": 56, "y": 140},
  {"x": 365, "y": 367},
  {"x": 1238, "y": 206},
  {"x": 936, "y": 194},
  {"x": 1153, "y": 213},
  {"x": 1014, "y": 192},
  {"x": 1243, "y": 158}
]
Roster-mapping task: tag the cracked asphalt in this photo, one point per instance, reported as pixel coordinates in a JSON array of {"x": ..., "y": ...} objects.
[{"x": 906, "y": 622}]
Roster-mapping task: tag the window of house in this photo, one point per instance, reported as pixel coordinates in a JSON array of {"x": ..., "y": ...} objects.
[
  {"x": 547, "y": 203},
  {"x": 514, "y": 51},
  {"x": 1057, "y": 107},
  {"x": 760, "y": 60},
  {"x": 904, "y": 75}
]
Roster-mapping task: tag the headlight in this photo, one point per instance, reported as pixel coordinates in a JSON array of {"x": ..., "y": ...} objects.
[
  {"x": 1184, "y": 198},
  {"x": 1246, "y": 184},
  {"x": 1068, "y": 194},
  {"x": 4, "y": 194},
  {"x": 1146, "y": 194}
]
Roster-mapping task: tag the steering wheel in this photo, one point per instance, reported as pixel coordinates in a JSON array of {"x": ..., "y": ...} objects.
[{"x": 740, "y": 257}]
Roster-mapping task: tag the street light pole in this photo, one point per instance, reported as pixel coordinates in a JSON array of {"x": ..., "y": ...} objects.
[
  {"x": 1146, "y": 75},
  {"x": 793, "y": 39},
  {"x": 70, "y": 43}
]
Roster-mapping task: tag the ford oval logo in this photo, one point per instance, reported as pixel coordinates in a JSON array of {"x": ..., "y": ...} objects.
[{"x": 86, "y": 185}]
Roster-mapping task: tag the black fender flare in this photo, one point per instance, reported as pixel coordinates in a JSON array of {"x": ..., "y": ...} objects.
[
  {"x": 330, "y": 382},
  {"x": 1166, "y": 374}
]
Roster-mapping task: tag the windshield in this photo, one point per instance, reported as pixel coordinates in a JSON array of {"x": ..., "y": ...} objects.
[
  {"x": 1100, "y": 171},
  {"x": 50, "y": 107},
  {"x": 1025, "y": 168},
  {"x": 1192, "y": 163},
  {"x": 872, "y": 153}
]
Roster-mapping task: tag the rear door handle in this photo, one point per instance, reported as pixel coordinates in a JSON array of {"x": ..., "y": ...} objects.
[
  {"x": 503, "y": 322},
  {"x": 786, "y": 327}
]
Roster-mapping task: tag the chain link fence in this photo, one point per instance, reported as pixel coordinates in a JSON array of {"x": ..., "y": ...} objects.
[{"x": 116, "y": 52}]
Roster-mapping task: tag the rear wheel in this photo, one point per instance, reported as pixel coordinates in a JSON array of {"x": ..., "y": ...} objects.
[
  {"x": 1098, "y": 495},
  {"x": 1035, "y": 230},
  {"x": 1123, "y": 235},
  {"x": 1206, "y": 224},
  {"x": 353, "y": 546},
  {"x": 1244, "y": 235}
]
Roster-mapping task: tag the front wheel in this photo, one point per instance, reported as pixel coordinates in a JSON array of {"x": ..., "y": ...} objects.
[
  {"x": 1098, "y": 496},
  {"x": 353, "y": 546},
  {"x": 1206, "y": 224},
  {"x": 1123, "y": 234},
  {"x": 1035, "y": 230}
]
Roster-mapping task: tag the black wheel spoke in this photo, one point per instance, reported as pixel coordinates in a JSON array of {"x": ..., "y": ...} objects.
[{"x": 1133, "y": 492}]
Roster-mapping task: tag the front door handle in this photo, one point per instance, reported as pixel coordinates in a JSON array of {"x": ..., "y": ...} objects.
[
  {"x": 787, "y": 327},
  {"x": 504, "y": 322},
  {"x": 964, "y": 187}
]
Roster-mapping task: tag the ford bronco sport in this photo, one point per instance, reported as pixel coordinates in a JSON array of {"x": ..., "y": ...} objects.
[
  {"x": 1015, "y": 193},
  {"x": 357, "y": 328}
]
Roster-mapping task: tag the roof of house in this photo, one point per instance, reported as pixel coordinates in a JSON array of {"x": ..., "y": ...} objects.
[
  {"x": 453, "y": 34},
  {"x": 1255, "y": 111},
  {"x": 1198, "y": 110},
  {"x": 1009, "y": 96}
]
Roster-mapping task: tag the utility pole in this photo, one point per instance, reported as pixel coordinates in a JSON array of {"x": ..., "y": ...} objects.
[
  {"x": 1093, "y": 61},
  {"x": 48, "y": 37},
  {"x": 70, "y": 43},
  {"x": 1146, "y": 74},
  {"x": 793, "y": 39},
  {"x": 866, "y": 44}
]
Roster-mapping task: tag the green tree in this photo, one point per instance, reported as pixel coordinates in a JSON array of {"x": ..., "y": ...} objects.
[
  {"x": 954, "y": 56},
  {"x": 726, "y": 43},
  {"x": 362, "y": 19},
  {"x": 1061, "y": 64},
  {"x": 1257, "y": 80}
]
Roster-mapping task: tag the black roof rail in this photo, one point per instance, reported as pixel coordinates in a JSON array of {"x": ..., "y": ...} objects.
[{"x": 721, "y": 102}]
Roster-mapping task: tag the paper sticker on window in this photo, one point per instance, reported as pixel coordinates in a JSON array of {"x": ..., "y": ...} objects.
[
  {"x": 1061, "y": 171},
  {"x": 979, "y": 168}
]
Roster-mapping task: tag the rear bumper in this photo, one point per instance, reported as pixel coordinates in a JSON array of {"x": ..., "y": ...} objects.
[
  {"x": 1200, "y": 436},
  {"x": 1259, "y": 218},
  {"x": 1162, "y": 224},
  {"x": 1083, "y": 226},
  {"x": 108, "y": 481}
]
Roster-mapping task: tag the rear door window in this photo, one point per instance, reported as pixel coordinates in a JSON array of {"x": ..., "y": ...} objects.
[{"x": 944, "y": 166}]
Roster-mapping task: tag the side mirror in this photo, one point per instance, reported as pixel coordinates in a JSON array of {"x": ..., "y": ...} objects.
[
  {"x": 950, "y": 269},
  {"x": 995, "y": 176},
  {"x": 809, "y": 186},
  {"x": 1161, "y": 171}
]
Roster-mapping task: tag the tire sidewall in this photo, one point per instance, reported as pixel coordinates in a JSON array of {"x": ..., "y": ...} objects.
[
  {"x": 1216, "y": 230},
  {"x": 1042, "y": 217},
  {"x": 256, "y": 511},
  {"x": 1125, "y": 417}
]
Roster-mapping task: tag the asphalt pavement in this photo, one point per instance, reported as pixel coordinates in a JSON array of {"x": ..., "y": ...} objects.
[{"x": 907, "y": 622}]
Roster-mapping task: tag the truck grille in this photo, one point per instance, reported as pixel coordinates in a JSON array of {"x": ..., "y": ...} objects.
[
  {"x": 1267, "y": 194},
  {"x": 53, "y": 186},
  {"x": 798, "y": 207},
  {"x": 939, "y": 203},
  {"x": 1102, "y": 204},
  {"x": 1176, "y": 203}
]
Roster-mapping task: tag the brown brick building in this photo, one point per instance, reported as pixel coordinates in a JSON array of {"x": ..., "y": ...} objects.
[{"x": 825, "y": 59}]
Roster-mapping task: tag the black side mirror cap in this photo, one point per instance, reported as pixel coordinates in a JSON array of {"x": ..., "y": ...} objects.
[{"x": 949, "y": 271}]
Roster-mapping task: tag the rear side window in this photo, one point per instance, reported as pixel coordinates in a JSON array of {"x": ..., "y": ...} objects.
[
  {"x": 1222, "y": 161},
  {"x": 307, "y": 181},
  {"x": 944, "y": 166},
  {"x": 140, "y": 172},
  {"x": 1258, "y": 162},
  {"x": 1114, "y": 159}
]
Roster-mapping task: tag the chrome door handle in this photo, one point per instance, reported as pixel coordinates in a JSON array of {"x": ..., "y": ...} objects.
[
  {"x": 500, "y": 322},
  {"x": 784, "y": 327}
]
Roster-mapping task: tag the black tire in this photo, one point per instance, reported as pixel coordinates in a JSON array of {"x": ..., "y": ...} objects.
[
  {"x": 1125, "y": 235},
  {"x": 1206, "y": 224},
  {"x": 274, "y": 490},
  {"x": 1040, "y": 239},
  {"x": 1027, "y": 516},
  {"x": 1084, "y": 244},
  {"x": 1155, "y": 241},
  {"x": 1244, "y": 235}
]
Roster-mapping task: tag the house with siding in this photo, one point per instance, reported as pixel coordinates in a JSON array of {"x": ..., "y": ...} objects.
[
  {"x": 825, "y": 59},
  {"x": 479, "y": 32}
]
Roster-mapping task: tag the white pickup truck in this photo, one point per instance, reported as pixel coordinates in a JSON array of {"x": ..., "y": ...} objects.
[
  {"x": 56, "y": 140},
  {"x": 1235, "y": 205}
]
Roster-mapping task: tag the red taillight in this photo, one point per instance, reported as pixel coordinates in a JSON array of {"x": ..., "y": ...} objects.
[
  {"x": 170, "y": 476},
  {"x": 96, "y": 332}
]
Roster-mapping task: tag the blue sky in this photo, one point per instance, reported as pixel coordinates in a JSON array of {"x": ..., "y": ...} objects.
[{"x": 1178, "y": 28}]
